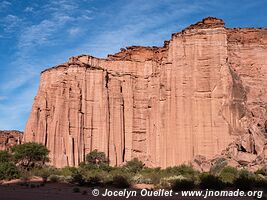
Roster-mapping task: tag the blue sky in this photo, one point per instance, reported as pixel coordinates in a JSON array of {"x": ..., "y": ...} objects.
[{"x": 35, "y": 35}]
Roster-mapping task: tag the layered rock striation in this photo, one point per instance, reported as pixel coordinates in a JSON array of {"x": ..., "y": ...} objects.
[{"x": 203, "y": 93}]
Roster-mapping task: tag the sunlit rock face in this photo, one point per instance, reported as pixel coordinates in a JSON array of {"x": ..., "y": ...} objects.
[
  {"x": 203, "y": 93},
  {"x": 9, "y": 138}
]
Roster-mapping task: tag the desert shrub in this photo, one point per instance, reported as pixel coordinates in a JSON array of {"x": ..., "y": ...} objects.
[
  {"x": 101, "y": 166},
  {"x": 119, "y": 171},
  {"x": 218, "y": 166},
  {"x": 260, "y": 181},
  {"x": 262, "y": 171},
  {"x": 185, "y": 170},
  {"x": 182, "y": 184},
  {"x": 166, "y": 182},
  {"x": 120, "y": 181},
  {"x": 76, "y": 190},
  {"x": 209, "y": 181},
  {"x": 54, "y": 178},
  {"x": 45, "y": 172},
  {"x": 134, "y": 165},
  {"x": 105, "y": 167},
  {"x": 149, "y": 176},
  {"x": 30, "y": 155},
  {"x": 245, "y": 180},
  {"x": 146, "y": 179},
  {"x": 25, "y": 175},
  {"x": 228, "y": 175},
  {"x": 8, "y": 171},
  {"x": 96, "y": 158},
  {"x": 77, "y": 177},
  {"x": 4, "y": 156},
  {"x": 91, "y": 175},
  {"x": 67, "y": 171}
]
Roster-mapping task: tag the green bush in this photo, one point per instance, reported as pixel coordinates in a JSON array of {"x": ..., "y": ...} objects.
[
  {"x": 262, "y": 171},
  {"x": 149, "y": 176},
  {"x": 120, "y": 182},
  {"x": 182, "y": 184},
  {"x": 101, "y": 166},
  {"x": 245, "y": 180},
  {"x": 134, "y": 165},
  {"x": 228, "y": 175},
  {"x": 167, "y": 182},
  {"x": 77, "y": 178},
  {"x": 209, "y": 181},
  {"x": 67, "y": 171},
  {"x": 54, "y": 178},
  {"x": 4, "y": 156},
  {"x": 25, "y": 175},
  {"x": 8, "y": 171},
  {"x": 45, "y": 172},
  {"x": 185, "y": 170},
  {"x": 260, "y": 182}
]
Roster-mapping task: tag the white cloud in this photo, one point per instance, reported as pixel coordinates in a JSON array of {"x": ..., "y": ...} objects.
[
  {"x": 11, "y": 22},
  {"x": 28, "y": 9},
  {"x": 39, "y": 34},
  {"x": 4, "y": 4},
  {"x": 74, "y": 31}
]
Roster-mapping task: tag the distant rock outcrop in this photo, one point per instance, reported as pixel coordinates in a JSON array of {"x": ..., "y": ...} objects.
[
  {"x": 9, "y": 138},
  {"x": 201, "y": 96}
]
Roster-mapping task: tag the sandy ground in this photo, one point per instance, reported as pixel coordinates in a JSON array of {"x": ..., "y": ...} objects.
[{"x": 57, "y": 191}]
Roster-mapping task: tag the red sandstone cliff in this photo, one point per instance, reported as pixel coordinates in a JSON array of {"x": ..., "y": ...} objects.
[
  {"x": 203, "y": 93},
  {"x": 9, "y": 138}
]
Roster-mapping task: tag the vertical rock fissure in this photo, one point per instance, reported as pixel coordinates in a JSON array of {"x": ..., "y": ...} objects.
[
  {"x": 123, "y": 126},
  {"x": 108, "y": 112},
  {"x": 73, "y": 152},
  {"x": 46, "y": 124}
]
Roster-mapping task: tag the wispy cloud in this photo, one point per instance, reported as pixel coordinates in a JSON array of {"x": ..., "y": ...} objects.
[
  {"x": 4, "y": 4},
  {"x": 74, "y": 31},
  {"x": 11, "y": 23},
  {"x": 28, "y": 9}
]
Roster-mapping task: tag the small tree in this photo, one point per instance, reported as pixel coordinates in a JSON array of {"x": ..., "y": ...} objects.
[
  {"x": 4, "y": 156},
  {"x": 96, "y": 158},
  {"x": 30, "y": 155}
]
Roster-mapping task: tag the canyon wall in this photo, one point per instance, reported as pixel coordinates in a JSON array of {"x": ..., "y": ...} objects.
[
  {"x": 204, "y": 93},
  {"x": 9, "y": 138}
]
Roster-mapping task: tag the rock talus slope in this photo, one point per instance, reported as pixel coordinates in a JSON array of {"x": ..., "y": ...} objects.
[{"x": 203, "y": 93}]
